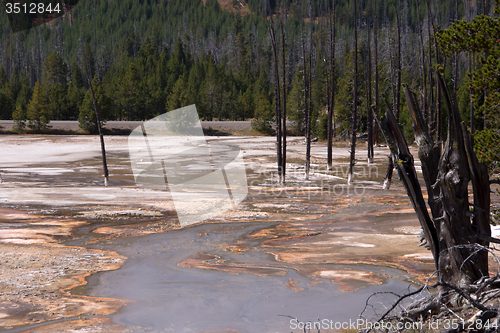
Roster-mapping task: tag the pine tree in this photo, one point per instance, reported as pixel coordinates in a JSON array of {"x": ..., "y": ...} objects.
[
  {"x": 87, "y": 117},
  {"x": 295, "y": 103},
  {"x": 480, "y": 36},
  {"x": 38, "y": 109},
  {"x": 178, "y": 97},
  {"x": 263, "y": 114},
  {"x": 74, "y": 99},
  {"x": 19, "y": 116},
  {"x": 55, "y": 70},
  {"x": 6, "y": 105},
  {"x": 57, "y": 101}
]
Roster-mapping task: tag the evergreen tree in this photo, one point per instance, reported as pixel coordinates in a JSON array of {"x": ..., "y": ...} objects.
[
  {"x": 3, "y": 78},
  {"x": 210, "y": 89},
  {"x": 6, "y": 105},
  {"x": 295, "y": 103},
  {"x": 57, "y": 102},
  {"x": 74, "y": 99},
  {"x": 19, "y": 116},
  {"x": 55, "y": 70},
  {"x": 24, "y": 97},
  {"x": 178, "y": 98},
  {"x": 263, "y": 114},
  {"x": 38, "y": 109},
  {"x": 87, "y": 117},
  {"x": 480, "y": 36},
  {"x": 131, "y": 94}
]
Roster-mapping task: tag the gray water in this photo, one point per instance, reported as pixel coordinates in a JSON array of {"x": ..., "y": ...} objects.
[{"x": 168, "y": 298}]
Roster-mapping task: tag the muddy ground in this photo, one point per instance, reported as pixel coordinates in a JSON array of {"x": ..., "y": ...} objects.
[{"x": 54, "y": 207}]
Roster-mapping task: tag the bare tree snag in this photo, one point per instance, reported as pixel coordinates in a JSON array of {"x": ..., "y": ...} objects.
[
  {"x": 309, "y": 82},
  {"x": 398, "y": 84},
  {"x": 331, "y": 99},
  {"x": 375, "y": 48},
  {"x": 424, "y": 69},
  {"x": 430, "y": 117},
  {"x": 457, "y": 236},
  {"x": 283, "y": 45},
  {"x": 277, "y": 98},
  {"x": 429, "y": 153},
  {"x": 103, "y": 148},
  {"x": 352, "y": 159},
  {"x": 403, "y": 160},
  {"x": 307, "y": 93},
  {"x": 369, "y": 114},
  {"x": 307, "y": 113},
  {"x": 388, "y": 174},
  {"x": 390, "y": 164}
]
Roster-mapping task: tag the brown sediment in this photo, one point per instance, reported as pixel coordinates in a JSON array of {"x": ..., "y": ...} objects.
[
  {"x": 36, "y": 280},
  {"x": 91, "y": 325},
  {"x": 291, "y": 284},
  {"x": 214, "y": 262},
  {"x": 132, "y": 230},
  {"x": 236, "y": 248},
  {"x": 37, "y": 272},
  {"x": 347, "y": 280},
  {"x": 350, "y": 280}
]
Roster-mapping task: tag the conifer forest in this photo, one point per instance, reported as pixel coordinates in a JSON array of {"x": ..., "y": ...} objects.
[{"x": 242, "y": 60}]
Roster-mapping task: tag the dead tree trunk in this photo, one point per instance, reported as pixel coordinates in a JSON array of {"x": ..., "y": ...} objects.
[
  {"x": 375, "y": 48},
  {"x": 307, "y": 95},
  {"x": 352, "y": 159},
  {"x": 277, "y": 99},
  {"x": 283, "y": 46},
  {"x": 369, "y": 114},
  {"x": 101, "y": 137},
  {"x": 398, "y": 84},
  {"x": 430, "y": 118},
  {"x": 456, "y": 60},
  {"x": 423, "y": 67},
  {"x": 331, "y": 99},
  {"x": 471, "y": 102},
  {"x": 455, "y": 234},
  {"x": 309, "y": 90}
]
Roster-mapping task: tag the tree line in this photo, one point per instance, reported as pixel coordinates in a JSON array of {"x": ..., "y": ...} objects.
[{"x": 148, "y": 57}]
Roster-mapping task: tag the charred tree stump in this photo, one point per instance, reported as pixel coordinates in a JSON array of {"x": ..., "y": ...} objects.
[{"x": 455, "y": 234}]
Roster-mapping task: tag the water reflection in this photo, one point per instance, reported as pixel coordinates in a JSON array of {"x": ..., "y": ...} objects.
[{"x": 170, "y": 298}]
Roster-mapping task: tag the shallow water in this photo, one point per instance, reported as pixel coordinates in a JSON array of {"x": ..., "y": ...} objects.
[{"x": 169, "y": 298}]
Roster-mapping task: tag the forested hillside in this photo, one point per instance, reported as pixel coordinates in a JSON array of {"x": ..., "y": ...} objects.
[{"x": 146, "y": 57}]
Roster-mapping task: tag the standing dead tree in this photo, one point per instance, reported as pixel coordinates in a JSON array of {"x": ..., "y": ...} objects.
[
  {"x": 352, "y": 159},
  {"x": 369, "y": 113},
  {"x": 331, "y": 91},
  {"x": 396, "y": 96},
  {"x": 101, "y": 137},
  {"x": 283, "y": 64},
  {"x": 307, "y": 91},
  {"x": 279, "y": 103},
  {"x": 277, "y": 98},
  {"x": 375, "y": 51},
  {"x": 456, "y": 234},
  {"x": 88, "y": 70}
]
